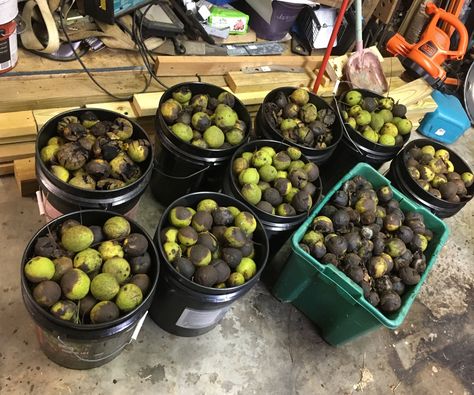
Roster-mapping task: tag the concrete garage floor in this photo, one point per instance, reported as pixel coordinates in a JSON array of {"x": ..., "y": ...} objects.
[{"x": 261, "y": 346}]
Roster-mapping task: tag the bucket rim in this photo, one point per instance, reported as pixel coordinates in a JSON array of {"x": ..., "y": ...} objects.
[
  {"x": 317, "y": 98},
  {"x": 444, "y": 204},
  {"x": 351, "y": 133},
  {"x": 191, "y": 284},
  {"x": 136, "y": 127},
  {"x": 261, "y": 142},
  {"x": 161, "y": 123},
  {"x": 88, "y": 327}
]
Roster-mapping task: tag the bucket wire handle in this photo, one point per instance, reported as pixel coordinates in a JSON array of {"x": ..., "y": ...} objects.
[
  {"x": 344, "y": 126},
  {"x": 184, "y": 177}
]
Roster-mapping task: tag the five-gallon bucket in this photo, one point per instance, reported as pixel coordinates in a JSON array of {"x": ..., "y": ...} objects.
[
  {"x": 62, "y": 198},
  {"x": 266, "y": 129},
  {"x": 277, "y": 227},
  {"x": 185, "y": 308},
  {"x": 181, "y": 167},
  {"x": 401, "y": 178},
  {"x": 354, "y": 148},
  {"x": 85, "y": 346}
]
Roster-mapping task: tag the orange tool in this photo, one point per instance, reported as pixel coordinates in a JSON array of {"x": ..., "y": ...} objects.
[{"x": 426, "y": 57}]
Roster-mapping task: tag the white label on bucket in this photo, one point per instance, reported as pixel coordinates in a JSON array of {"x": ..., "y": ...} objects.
[
  {"x": 196, "y": 319},
  {"x": 139, "y": 326},
  {"x": 440, "y": 132}
]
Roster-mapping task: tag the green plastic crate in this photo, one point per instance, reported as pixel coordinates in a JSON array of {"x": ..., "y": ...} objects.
[{"x": 331, "y": 299}]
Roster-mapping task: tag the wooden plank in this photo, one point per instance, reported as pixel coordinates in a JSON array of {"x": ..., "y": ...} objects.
[
  {"x": 106, "y": 58},
  {"x": 392, "y": 67},
  {"x": 385, "y": 9},
  {"x": 16, "y": 126},
  {"x": 11, "y": 152},
  {"x": 414, "y": 7},
  {"x": 248, "y": 37},
  {"x": 412, "y": 92},
  {"x": 146, "y": 103},
  {"x": 78, "y": 90},
  {"x": 368, "y": 8},
  {"x": 6, "y": 168},
  {"x": 254, "y": 82},
  {"x": 122, "y": 107},
  {"x": 43, "y": 116},
  {"x": 219, "y": 65},
  {"x": 19, "y": 139},
  {"x": 419, "y": 109},
  {"x": 394, "y": 83},
  {"x": 25, "y": 176}
]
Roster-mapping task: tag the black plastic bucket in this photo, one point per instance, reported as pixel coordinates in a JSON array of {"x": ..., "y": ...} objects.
[
  {"x": 400, "y": 177},
  {"x": 88, "y": 346},
  {"x": 65, "y": 198},
  {"x": 185, "y": 308},
  {"x": 354, "y": 148},
  {"x": 180, "y": 167},
  {"x": 277, "y": 227},
  {"x": 266, "y": 130}
]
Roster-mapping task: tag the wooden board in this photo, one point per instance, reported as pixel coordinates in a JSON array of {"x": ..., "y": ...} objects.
[
  {"x": 414, "y": 7},
  {"x": 392, "y": 67},
  {"x": 6, "y": 168},
  {"x": 43, "y": 116},
  {"x": 78, "y": 90},
  {"x": 105, "y": 59},
  {"x": 16, "y": 127},
  {"x": 418, "y": 110},
  {"x": 19, "y": 139},
  {"x": 122, "y": 107},
  {"x": 368, "y": 8},
  {"x": 254, "y": 82},
  {"x": 385, "y": 9},
  {"x": 248, "y": 37},
  {"x": 145, "y": 104},
  {"x": 412, "y": 92},
  {"x": 219, "y": 65},
  {"x": 25, "y": 176},
  {"x": 11, "y": 152}
]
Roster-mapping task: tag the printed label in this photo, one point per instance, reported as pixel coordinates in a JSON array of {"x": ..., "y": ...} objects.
[
  {"x": 8, "y": 52},
  {"x": 197, "y": 319},
  {"x": 440, "y": 132}
]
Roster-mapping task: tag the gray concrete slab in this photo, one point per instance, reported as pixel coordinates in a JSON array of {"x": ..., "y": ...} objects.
[{"x": 261, "y": 346}]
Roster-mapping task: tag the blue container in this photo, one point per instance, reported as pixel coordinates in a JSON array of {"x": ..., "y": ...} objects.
[{"x": 448, "y": 122}]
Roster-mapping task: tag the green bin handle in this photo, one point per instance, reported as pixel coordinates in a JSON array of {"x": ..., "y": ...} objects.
[{"x": 340, "y": 281}]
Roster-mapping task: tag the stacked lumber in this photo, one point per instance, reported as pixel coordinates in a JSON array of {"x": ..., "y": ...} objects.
[{"x": 17, "y": 138}]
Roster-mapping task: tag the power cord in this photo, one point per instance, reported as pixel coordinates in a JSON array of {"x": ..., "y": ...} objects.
[{"x": 61, "y": 19}]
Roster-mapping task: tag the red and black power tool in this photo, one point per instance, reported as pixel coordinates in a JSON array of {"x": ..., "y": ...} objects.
[{"x": 426, "y": 57}]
